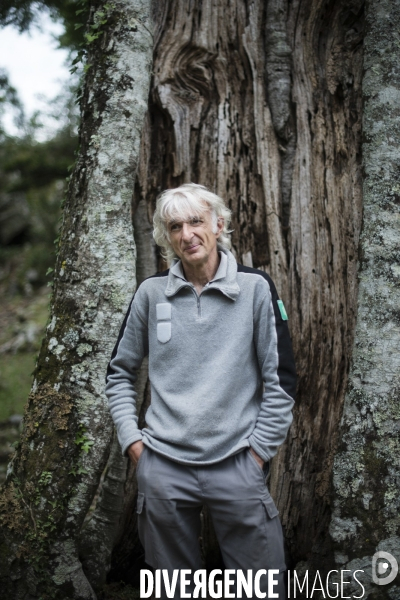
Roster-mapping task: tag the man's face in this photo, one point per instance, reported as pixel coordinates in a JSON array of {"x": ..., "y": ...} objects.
[{"x": 193, "y": 239}]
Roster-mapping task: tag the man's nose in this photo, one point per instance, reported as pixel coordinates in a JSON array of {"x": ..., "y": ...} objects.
[{"x": 187, "y": 231}]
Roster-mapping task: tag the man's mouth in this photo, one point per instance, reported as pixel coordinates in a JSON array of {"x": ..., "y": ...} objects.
[{"x": 192, "y": 248}]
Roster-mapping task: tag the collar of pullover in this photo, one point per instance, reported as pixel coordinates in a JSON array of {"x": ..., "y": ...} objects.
[{"x": 224, "y": 279}]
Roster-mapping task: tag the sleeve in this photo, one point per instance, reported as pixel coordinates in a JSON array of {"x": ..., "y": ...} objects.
[
  {"x": 276, "y": 361},
  {"x": 122, "y": 370}
]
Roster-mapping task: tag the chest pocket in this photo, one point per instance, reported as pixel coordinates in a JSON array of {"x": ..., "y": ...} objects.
[{"x": 164, "y": 328}]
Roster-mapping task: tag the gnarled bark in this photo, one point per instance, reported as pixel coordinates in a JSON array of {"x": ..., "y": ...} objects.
[{"x": 261, "y": 102}]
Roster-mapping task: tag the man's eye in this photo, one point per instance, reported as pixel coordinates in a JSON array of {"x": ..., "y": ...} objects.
[
  {"x": 174, "y": 227},
  {"x": 195, "y": 221}
]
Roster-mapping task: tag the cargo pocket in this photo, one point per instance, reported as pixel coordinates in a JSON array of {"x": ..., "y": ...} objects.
[
  {"x": 270, "y": 507},
  {"x": 274, "y": 535}
]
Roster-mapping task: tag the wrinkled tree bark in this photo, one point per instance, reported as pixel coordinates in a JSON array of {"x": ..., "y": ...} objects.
[
  {"x": 67, "y": 427},
  {"x": 261, "y": 102},
  {"x": 366, "y": 517}
]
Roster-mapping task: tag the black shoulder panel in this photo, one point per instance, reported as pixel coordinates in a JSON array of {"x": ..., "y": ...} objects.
[
  {"x": 120, "y": 335},
  {"x": 160, "y": 274},
  {"x": 252, "y": 271},
  {"x": 286, "y": 366}
]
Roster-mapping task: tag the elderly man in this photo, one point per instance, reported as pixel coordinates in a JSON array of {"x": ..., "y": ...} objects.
[{"x": 222, "y": 387}]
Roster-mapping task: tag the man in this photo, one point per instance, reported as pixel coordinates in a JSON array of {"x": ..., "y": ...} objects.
[{"x": 222, "y": 386}]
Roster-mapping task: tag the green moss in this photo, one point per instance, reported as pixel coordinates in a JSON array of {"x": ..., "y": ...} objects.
[
  {"x": 375, "y": 466},
  {"x": 34, "y": 499},
  {"x": 46, "y": 420},
  {"x": 374, "y": 471}
]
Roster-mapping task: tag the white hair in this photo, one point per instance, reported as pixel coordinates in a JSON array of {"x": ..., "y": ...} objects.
[{"x": 187, "y": 201}]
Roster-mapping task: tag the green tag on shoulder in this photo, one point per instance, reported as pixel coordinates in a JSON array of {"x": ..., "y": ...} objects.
[{"x": 283, "y": 311}]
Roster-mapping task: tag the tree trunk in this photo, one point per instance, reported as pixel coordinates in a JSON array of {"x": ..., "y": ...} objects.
[
  {"x": 366, "y": 516},
  {"x": 67, "y": 427},
  {"x": 109, "y": 527},
  {"x": 261, "y": 102}
]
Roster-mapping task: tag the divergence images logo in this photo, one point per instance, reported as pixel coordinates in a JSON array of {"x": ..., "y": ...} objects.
[{"x": 380, "y": 565}]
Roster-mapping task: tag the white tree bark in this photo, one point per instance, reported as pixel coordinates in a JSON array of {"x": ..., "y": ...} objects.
[
  {"x": 114, "y": 509},
  {"x": 68, "y": 428},
  {"x": 366, "y": 515}
]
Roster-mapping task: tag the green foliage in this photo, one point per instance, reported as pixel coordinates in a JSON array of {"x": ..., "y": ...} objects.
[
  {"x": 81, "y": 440},
  {"x": 32, "y": 188},
  {"x": 32, "y": 174},
  {"x": 28, "y": 164},
  {"x": 23, "y": 13},
  {"x": 9, "y": 97},
  {"x": 96, "y": 28},
  {"x": 84, "y": 444},
  {"x": 45, "y": 478},
  {"x": 94, "y": 31}
]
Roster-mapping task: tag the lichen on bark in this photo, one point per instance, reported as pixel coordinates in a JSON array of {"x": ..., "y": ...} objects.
[{"x": 367, "y": 469}]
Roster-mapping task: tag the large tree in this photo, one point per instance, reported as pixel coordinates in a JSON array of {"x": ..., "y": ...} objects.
[{"x": 67, "y": 427}]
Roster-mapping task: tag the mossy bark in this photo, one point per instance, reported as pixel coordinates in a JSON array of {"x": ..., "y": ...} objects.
[
  {"x": 67, "y": 426},
  {"x": 366, "y": 516}
]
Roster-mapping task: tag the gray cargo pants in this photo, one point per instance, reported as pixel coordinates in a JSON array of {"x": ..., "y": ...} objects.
[{"x": 245, "y": 519}]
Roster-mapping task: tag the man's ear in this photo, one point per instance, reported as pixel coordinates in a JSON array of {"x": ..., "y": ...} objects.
[{"x": 220, "y": 226}]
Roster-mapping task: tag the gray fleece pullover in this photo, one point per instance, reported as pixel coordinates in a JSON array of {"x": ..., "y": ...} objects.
[{"x": 220, "y": 365}]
